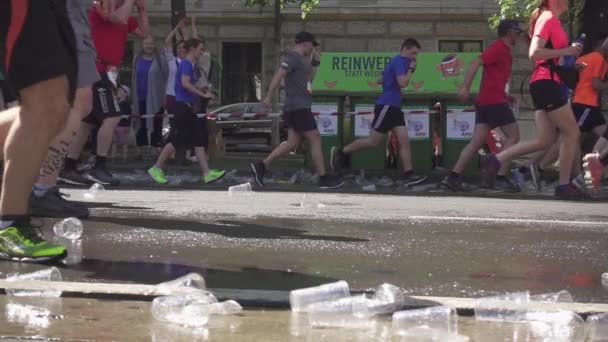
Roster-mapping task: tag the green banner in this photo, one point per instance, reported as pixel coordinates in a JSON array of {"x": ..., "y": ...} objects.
[{"x": 359, "y": 72}]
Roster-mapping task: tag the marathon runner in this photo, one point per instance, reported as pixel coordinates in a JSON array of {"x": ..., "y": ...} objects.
[
  {"x": 388, "y": 116},
  {"x": 492, "y": 106}
]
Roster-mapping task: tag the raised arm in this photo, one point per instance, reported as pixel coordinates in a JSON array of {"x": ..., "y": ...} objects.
[
  {"x": 171, "y": 35},
  {"x": 143, "y": 28}
]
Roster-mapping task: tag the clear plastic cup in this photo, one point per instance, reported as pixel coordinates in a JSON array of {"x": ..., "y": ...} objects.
[
  {"x": 597, "y": 327},
  {"x": 302, "y": 298},
  {"x": 553, "y": 297},
  {"x": 426, "y": 334},
  {"x": 70, "y": 228},
  {"x": 49, "y": 274},
  {"x": 187, "y": 283},
  {"x": 605, "y": 279},
  {"x": 510, "y": 307},
  {"x": 555, "y": 326},
  {"x": 440, "y": 318},
  {"x": 190, "y": 310},
  {"x": 240, "y": 189},
  {"x": 386, "y": 300},
  {"x": 340, "y": 313}
]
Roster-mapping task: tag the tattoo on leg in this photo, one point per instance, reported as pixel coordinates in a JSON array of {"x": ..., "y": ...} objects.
[{"x": 55, "y": 158}]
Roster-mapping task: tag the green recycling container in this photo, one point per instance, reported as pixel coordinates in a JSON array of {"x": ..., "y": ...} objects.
[
  {"x": 329, "y": 121},
  {"x": 419, "y": 121},
  {"x": 359, "y": 123},
  {"x": 458, "y": 125}
]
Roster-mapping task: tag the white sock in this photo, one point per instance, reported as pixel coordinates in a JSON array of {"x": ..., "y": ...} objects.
[{"x": 41, "y": 190}]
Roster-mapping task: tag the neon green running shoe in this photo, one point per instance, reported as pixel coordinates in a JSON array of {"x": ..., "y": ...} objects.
[
  {"x": 22, "y": 243},
  {"x": 213, "y": 175},
  {"x": 158, "y": 175}
]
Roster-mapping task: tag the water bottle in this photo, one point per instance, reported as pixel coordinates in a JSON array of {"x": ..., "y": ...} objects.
[
  {"x": 70, "y": 228},
  {"x": 302, "y": 298},
  {"x": 580, "y": 40}
]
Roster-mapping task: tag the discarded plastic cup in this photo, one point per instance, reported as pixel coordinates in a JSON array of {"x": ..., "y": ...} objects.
[
  {"x": 94, "y": 190},
  {"x": 438, "y": 318},
  {"x": 189, "y": 282},
  {"x": 605, "y": 279},
  {"x": 504, "y": 308},
  {"x": 189, "y": 310},
  {"x": 70, "y": 228},
  {"x": 554, "y": 297},
  {"x": 239, "y": 189},
  {"x": 387, "y": 299},
  {"x": 370, "y": 188},
  {"x": 229, "y": 307},
  {"x": 348, "y": 312},
  {"x": 426, "y": 334},
  {"x": 49, "y": 274},
  {"x": 555, "y": 326},
  {"x": 302, "y": 298},
  {"x": 597, "y": 327},
  {"x": 74, "y": 249}
]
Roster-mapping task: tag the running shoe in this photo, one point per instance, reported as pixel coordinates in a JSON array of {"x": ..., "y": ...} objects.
[
  {"x": 330, "y": 182},
  {"x": 570, "y": 192},
  {"x": 53, "y": 204},
  {"x": 536, "y": 175},
  {"x": 100, "y": 175},
  {"x": 72, "y": 177},
  {"x": 411, "y": 179},
  {"x": 594, "y": 170},
  {"x": 213, "y": 176},
  {"x": 158, "y": 175},
  {"x": 338, "y": 159},
  {"x": 579, "y": 182},
  {"x": 258, "y": 169},
  {"x": 453, "y": 183},
  {"x": 21, "y": 242},
  {"x": 491, "y": 165},
  {"x": 505, "y": 184}
]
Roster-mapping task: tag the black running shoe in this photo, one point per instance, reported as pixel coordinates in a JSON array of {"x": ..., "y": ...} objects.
[
  {"x": 258, "y": 169},
  {"x": 453, "y": 183},
  {"x": 100, "y": 175},
  {"x": 330, "y": 182},
  {"x": 411, "y": 179},
  {"x": 505, "y": 184},
  {"x": 338, "y": 160},
  {"x": 571, "y": 193},
  {"x": 53, "y": 204},
  {"x": 73, "y": 177}
]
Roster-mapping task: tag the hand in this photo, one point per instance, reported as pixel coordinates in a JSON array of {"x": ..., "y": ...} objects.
[
  {"x": 464, "y": 94},
  {"x": 267, "y": 102},
  {"x": 575, "y": 50},
  {"x": 316, "y": 53},
  {"x": 208, "y": 95},
  {"x": 183, "y": 23},
  {"x": 413, "y": 64}
]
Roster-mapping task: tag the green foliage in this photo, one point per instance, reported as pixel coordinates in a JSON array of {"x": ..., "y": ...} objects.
[
  {"x": 305, "y": 5},
  {"x": 522, "y": 9}
]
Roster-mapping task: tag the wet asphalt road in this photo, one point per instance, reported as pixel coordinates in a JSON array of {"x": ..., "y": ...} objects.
[{"x": 461, "y": 247}]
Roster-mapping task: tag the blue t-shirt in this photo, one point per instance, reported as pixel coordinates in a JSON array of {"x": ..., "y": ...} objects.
[
  {"x": 391, "y": 91},
  {"x": 142, "y": 67},
  {"x": 181, "y": 94}
]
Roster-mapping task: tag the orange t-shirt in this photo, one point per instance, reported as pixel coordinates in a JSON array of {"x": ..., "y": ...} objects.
[{"x": 596, "y": 68}]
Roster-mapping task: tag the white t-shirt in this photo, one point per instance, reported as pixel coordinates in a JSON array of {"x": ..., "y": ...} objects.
[{"x": 173, "y": 62}]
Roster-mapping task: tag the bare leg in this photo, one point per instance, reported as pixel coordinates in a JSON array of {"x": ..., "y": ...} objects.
[
  {"x": 468, "y": 152},
  {"x": 294, "y": 139},
  {"x": 511, "y": 133},
  {"x": 105, "y": 136},
  {"x": 314, "y": 139},
  {"x": 570, "y": 134},
  {"x": 7, "y": 118},
  {"x": 43, "y": 116},
  {"x": 374, "y": 139},
  {"x": 201, "y": 155},
  {"x": 405, "y": 150},
  {"x": 165, "y": 154}
]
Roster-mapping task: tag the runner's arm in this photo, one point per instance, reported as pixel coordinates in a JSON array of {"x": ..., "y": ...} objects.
[
  {"x": 274, "y": 84},
  {"x": 404, "y": 80},
  {"x": 472, "y": 72},
  {"x": 538, "y": 51},
  {"x": 191, "y": 88}
]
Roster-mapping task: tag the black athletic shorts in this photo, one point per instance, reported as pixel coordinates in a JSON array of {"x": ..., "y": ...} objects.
[
  {"x": 37, "y": 43},
  {"x": 188, "y": 131},
  {"x": 547, "y": 95},
  {"x": 588, "y": 117},
  {"x": 300, "y": 120},
  {"x": 105, "y": 102},
  {"x": 386, "y": 118},
  {"x": 495, "y": 115}
]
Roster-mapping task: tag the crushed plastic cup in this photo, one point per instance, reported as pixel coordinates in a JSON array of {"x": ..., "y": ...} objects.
[
  {"x": 189, "y": 310},
  {"x": 229, "y": 307},
  {"x": 49, "y": 274},
  {"x": 189, "y": 282},
  {"x": 597, "y": 327},
  {"x": 510, "y": 307},
  {"x": 70, "y": 228},
  {"x": 302, "y": 298},
  {"x": 426, "y": 334},
  {"x": 244, "y": 189},
  {"x": 605, "y": 279},
  {"x": 438, "y": 318},
  {"x": 555, "y": 326},
  {"x": 554, "y": 297},
  {"x": 387, "y": 299},
  {"x": 95, "y": 190},
  {"x": 348, "y": 312}
]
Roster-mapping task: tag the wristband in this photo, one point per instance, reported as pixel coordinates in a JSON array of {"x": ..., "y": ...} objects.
[{"x": 315, "y": 63}]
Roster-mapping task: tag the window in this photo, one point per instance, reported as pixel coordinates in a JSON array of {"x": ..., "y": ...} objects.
[
  {"x": 257, "y": 109},
  {"x": 460, "y": 45}
]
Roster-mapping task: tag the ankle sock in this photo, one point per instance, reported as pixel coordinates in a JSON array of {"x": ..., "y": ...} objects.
[{"x": 40, "y": 190}]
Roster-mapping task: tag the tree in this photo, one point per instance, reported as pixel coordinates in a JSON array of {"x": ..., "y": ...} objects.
[
  {"x": 305, "y": 5},
  {"x": 522, "y": 9}
]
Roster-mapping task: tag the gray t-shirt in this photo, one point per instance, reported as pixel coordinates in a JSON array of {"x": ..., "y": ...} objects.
[
  {"x": 78, "y": 11},
  {"x": 298, "y": 73}
]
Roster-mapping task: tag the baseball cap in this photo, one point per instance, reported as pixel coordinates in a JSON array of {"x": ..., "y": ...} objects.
[
  {"x": 304, "y": 37},
  {"x": 507, "y": 25}
]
